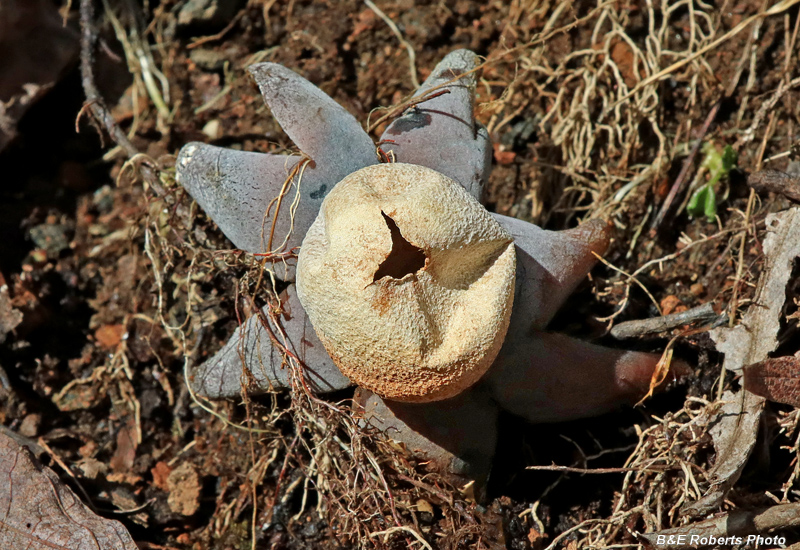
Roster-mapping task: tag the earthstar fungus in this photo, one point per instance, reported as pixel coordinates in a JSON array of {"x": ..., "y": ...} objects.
[{"x": 269, "y": 203}]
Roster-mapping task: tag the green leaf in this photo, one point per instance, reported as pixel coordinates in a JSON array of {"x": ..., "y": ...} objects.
[
  {"x": 710, "y": 204},
  {"x": 729, "y": 158},
  {"x": 712, "y": 160},
  {"x": 703, "y": 203}
]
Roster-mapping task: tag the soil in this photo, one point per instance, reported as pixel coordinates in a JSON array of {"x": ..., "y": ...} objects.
[{"x": 121, "y": 282}]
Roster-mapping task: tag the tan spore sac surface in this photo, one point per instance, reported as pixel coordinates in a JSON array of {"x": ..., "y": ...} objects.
[{"x": 408, "y": 282}]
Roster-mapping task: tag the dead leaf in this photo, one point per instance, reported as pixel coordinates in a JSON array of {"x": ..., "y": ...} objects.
[
  {"x": 661, "y": 371},
  {"x": 92, "y": 468},
  {"x": 776, "y": 379},
  {"x": 757, "y": 335},
  {"x": 535, "y": 537},
  {"x": 125, "y": 453},
  {"x": 38, "y": 512},
  {"x": 740, "y": 523},
  {"x": 10, "y": 318},
  {"x": 184, "y": 490},
  {"x": 672, "y": 304},
  {"x": 750, "y": 342},
  {"x": 423, "y": 506}
]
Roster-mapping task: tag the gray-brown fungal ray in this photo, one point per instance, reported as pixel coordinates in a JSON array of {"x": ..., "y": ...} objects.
[
  {"x": 267, "y": 368},
  {"x": 441, "y": 133}
]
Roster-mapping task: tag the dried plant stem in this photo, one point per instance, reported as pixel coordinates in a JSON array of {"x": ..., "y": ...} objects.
[
  {"x": 412, "y": 56},
  {"x": 385, "y": 534},
  {"x": 687, "y": 164},
  {"x": 777, "y": 8},
  {"x": 95, "y": 101}
]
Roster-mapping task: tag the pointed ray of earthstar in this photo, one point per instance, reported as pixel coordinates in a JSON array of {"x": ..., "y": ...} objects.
[
  {"x": 235, "y": 189},
  {"x": 455, "y": 437},
  {"x": 441, "y": 132},
  {"x": 239, "y": 190},
  {"x": 320, "y": 127},
  {"x": 548, "y": 377},
  {"x": 251, "y": 349},
  {"x": 550, "y": 265}
]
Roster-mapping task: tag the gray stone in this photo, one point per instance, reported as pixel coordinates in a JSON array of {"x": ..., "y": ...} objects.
[{"x": 208, "y": 13}]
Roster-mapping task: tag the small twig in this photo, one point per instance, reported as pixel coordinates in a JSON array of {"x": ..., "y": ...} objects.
[
  {"x": 687, "y": 164},
  {"x": 400, "y": 109},
  {"x": 630, "y": 278},
  {"x": 412, "y": 57},
  {"x": 67, "y": 470},
  {"x": 734, "y": 303},
  {"x": 433, "y": 490},
  {"x": 569, "y": 469},
  {"x": 656, "y": 325},
  {"x": 93, "y": 98},
  {"x": 206, "y": 39},
  {"x": 152, "y": 546},
  {"x": 95, "y": 101},
  {"x": 134, "y": 510},
  {"x": 775, "y": 181}
]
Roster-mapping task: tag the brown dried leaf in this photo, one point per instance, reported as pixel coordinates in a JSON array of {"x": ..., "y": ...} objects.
[
  {"x": 38, "y": 512},
  {"x": 775, "y": 379},
  {"x": 127, "y": 443},
  {"x": 786, "y": 183}
]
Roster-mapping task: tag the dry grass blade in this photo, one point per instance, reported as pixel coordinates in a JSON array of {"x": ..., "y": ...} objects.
[{"x": 412, "y": 56}]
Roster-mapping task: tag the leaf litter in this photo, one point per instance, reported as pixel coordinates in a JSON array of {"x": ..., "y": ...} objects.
[{"x": 39, "y": 512}]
